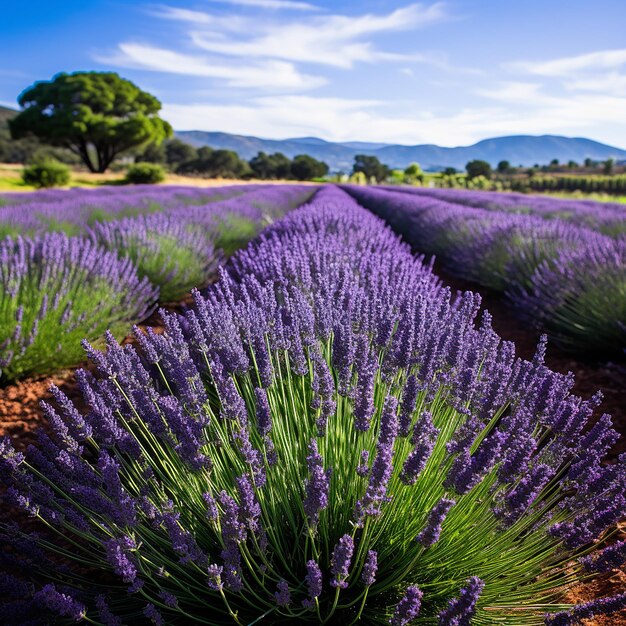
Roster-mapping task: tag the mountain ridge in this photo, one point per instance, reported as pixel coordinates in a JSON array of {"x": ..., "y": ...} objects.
[{"x": 525, "y": 150}]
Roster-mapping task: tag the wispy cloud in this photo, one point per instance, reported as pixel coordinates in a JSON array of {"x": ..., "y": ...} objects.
[
  {"x": 566, "y": 66},
  {"x": 335, "y": 40},
  {"x": 272, "y": 4},
  {"x": 259, "y": 74},
  {"x": 602, "y": 72}
]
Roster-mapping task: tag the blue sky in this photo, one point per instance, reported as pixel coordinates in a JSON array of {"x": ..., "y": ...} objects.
[{"x": 449, "y": 73}]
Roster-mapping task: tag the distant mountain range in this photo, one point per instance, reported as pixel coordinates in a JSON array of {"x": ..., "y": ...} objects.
[{"x": 523, "y": 150}]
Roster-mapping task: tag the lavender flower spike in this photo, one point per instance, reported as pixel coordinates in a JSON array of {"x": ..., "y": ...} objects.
[
  {"x": 369, "y": 569},
  {"x": 461, "y": 610},
  {"x": 408, "y": 608},
  {"x": 340, "y": 562},
  {"x": 432, "y": 530},
  {"x": 317, "y": 486},
  {"x": 313, "y": 582},
  {"x": 283, "y": 597}
]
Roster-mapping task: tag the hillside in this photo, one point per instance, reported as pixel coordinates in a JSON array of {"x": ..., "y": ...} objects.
[{"x": 523, "y": 150}]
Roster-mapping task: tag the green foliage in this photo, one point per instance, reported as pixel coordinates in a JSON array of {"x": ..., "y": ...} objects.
[
  {"x": 270, "y": 166},
  {"x": 215, "y": 164},
  {"x": 478, "y": 168},
  {"x": 178, "y": 152},
  {"x": 305, "y": 167},
  {"x": 145, "y": 174},
  {"x": 95, "y": 115},
  {"x": 152, "y": 153},
  {"x": 371, "y": 167},
  {"x": 46, "y": 173},
  {"x": 504, "y": 167}
]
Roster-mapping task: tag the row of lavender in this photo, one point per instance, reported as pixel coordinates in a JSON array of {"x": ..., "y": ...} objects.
[
  {"x": 605, "y": 217},
  {"x": 59, "y": 289},
  {"x": 326, "y": 437},
  {"x": 564, "y": 278}
]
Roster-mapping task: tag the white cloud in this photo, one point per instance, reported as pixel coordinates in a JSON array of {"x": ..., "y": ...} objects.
[
  {"x": 261, "y": 74},
  {"x": 567, "y": 66},
  {"x": 597, "y": 72},
  {"x": 334, "y": 40}
]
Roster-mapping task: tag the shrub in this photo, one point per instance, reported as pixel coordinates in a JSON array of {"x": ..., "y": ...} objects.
[
  {"x": 57, "y": 290},
  {"x": 168, "y": 250},
  {"x": 46, "y": 173},
  {"x": 145, "y": 174},
  {"x": 326, "y": 436}
]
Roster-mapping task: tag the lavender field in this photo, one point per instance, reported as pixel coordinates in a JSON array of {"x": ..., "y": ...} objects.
[{"x": 271, "y": 407}]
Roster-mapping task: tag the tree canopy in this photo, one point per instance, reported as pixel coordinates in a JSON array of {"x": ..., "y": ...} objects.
[
  {"x": 477, "y": 168},
  {"x": 305, "y": 167},
  {"x": 371, "y": 167},
  {"x": 95, "y": 115}
]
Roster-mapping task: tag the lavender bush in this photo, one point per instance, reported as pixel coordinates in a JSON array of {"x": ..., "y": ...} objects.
[
  {"x": 580, "y": 298},
  {"x": 167, "y": 250},
  {"x": 57, "y": 290},
  {"x": 326, "y": 437}
]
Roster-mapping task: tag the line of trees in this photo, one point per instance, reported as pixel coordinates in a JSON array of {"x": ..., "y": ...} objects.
[{"x": 183, "y": 158}]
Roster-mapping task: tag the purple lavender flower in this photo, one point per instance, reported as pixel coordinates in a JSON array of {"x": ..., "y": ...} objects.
[
  {"x": 313, "y": 580},
  {"x": 60, "y": 603},
  {"x": 283, "y": 597},
  {"x": 263, "y": 411},
  {"x": 153, "y": 614},
  {"x": 363, "y": 468},
  {"x": 249, "y": 508},
  {"x": 215, "y": 577},
  {"x": 608, "y": 559},
  {"x": 576, "y": 615},
  {"x": 317, "y": 486},
  {"x": 431, "y": 531},
  {"x": 408, "y": 608},
  {"x": 460, "y": 611},
  {"x": 368, "y": 576},
  {"x": 340, "y": 561},
  {"x": 118, "y": 553},
  {"x": 376, "y": 493}
]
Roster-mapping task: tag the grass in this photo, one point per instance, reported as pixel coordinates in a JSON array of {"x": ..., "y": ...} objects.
[{"x": 11, "y": 180}]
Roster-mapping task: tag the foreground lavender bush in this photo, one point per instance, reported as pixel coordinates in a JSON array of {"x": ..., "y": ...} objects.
[
  {"x": 326, "y": 437},
  {"x": 56, "y": 290},
  {"x": 172, "y": 254}
]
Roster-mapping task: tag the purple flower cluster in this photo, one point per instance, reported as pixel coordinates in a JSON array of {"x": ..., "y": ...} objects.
[{"x": 408, "y": 608}]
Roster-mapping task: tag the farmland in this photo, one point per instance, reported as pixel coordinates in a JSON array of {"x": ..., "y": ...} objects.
[{"x": 289, "y": 403}]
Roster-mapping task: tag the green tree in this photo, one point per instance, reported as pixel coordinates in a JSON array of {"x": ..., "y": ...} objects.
[
  {"x": 371, "y": 167},
  {"x": 478, "y": 168},
  {"x": 216, "y": 164},
  {"x": 413, "y": 173},
  {"x": 305, "y": 167},
  {"x": 449, "y": 171},
  {"x": 270, "y": 166},
  {"x": 608, "y": 166},
  {"x": 504, "y": 167},
  {"x": 178, "y": 152},
  {"x": 152, "y": 153},
  {"x": 95, "y": 115}
]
